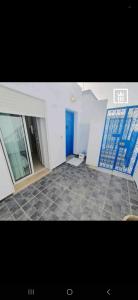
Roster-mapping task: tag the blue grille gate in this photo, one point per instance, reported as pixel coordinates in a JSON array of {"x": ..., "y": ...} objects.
[{"x": 119, "y": 148}]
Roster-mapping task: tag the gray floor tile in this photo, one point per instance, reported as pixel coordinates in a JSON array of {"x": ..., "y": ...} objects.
[
  {"x": 28, "y": 194},
  {"x": 110, "y": 196},
  {"x": 41, "y": 188},
  {"x": 73, "y": 193},
  {"x": 47, "y": 203},
  {"x": 85, "y": 217},
  {"x": 7, "y": 217},
  {"x": 24, "y": 217},
  {"x": 125, "y": 210},
  {"x": 54, "y": 210},
  {"x": 22, "y": 201},
  {"x": 61, "y": 203},
  {"x": 18, "y": 196},
  {"x": 4, "y": 212},
  {"x": 134, "y": 195},
  {"x": 43, "y": 218},
  {"x": 116, "y": 210},
  {"x": 2, "y": 203},
  {"x": 27, "y": 206},
  {"x": 106, "y": 216},
  {"x": 75, "y": 211},
  {"x": 35, "y": 192},
  {"x": 18, "y": 214},
  {"x": 134, "y": 209},
  {"x": 66, "y": 217},
  {"x": 125, "y": 196},
  {"x": 31, "y": 211},
  {"x": 35, "y": 216},
  {"x": 108, "y": 208},
  {"x": 67, "y": 195},
  {"x": 51, "y": 216},
  {"x": 34, "y": 201},
  {"x": 134, "y": 201},
  {"x": 12, "y": 205},
  {"x": 53, "y": 194},
  {"x": 10, "y": 218},
  {"x": 40, "y": 207},
  {"x": 132, "y": 186}
]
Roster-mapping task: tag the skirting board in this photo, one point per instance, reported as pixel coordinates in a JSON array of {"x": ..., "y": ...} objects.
[{"x": 116, "y": 173}]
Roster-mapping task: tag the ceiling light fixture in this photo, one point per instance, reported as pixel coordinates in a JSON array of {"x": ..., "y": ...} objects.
[{"x": 73, "y": 99}]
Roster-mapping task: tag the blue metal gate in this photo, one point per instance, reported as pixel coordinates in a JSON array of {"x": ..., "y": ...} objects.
[{"x": 119, "y": 149}]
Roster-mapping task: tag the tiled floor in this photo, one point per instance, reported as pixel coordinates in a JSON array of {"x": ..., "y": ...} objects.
[{"x": 73, "y": 193}]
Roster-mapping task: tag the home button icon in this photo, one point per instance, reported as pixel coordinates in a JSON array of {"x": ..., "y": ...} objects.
[{"x": 69, "y": 292}]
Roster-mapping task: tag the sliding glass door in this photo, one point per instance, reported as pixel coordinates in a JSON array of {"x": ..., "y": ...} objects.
[{"x": 12, "y": 131}]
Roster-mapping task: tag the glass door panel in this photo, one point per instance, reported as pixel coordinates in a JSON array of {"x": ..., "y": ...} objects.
[{"x": 13, "y": 134}]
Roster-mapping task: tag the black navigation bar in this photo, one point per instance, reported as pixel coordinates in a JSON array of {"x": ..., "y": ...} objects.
[{"x": 48, "y": 291}]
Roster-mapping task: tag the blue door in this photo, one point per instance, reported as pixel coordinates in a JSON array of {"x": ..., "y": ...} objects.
[
  {"x": 119, "y": 150},
  {"x": 69, "y": 132}
]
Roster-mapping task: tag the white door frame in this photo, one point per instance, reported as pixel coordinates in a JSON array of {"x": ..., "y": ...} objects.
[
  {"x": 43, "y": 141},
  {"x": 28, "y": 156},
  {"x": 7, "y": 158},
  {"x": 6, "y": 183},
  {"x": 28, "y": 146},
  {"x": 39, "y": 145}
]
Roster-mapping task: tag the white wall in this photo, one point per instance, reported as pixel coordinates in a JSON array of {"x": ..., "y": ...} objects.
[
  {"x": 55, "y": 116},
  {"x": 88, "y": 103},
  {"x": 86, "y": 108},
  {"x": 96, "y": 133},
  {"x": 6, "y": 185},
  {"x": 135, "y": 176},
  {"x": 57, "y": 97},
  {"x": 104, "y": 90},
  {"x": 49, "y": 91}
]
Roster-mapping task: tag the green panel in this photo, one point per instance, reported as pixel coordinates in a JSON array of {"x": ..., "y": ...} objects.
[{"x": 15, "y": 143}]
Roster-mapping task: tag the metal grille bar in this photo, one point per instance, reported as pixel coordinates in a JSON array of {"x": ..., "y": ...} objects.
[{"x": 119, "y": 147}]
